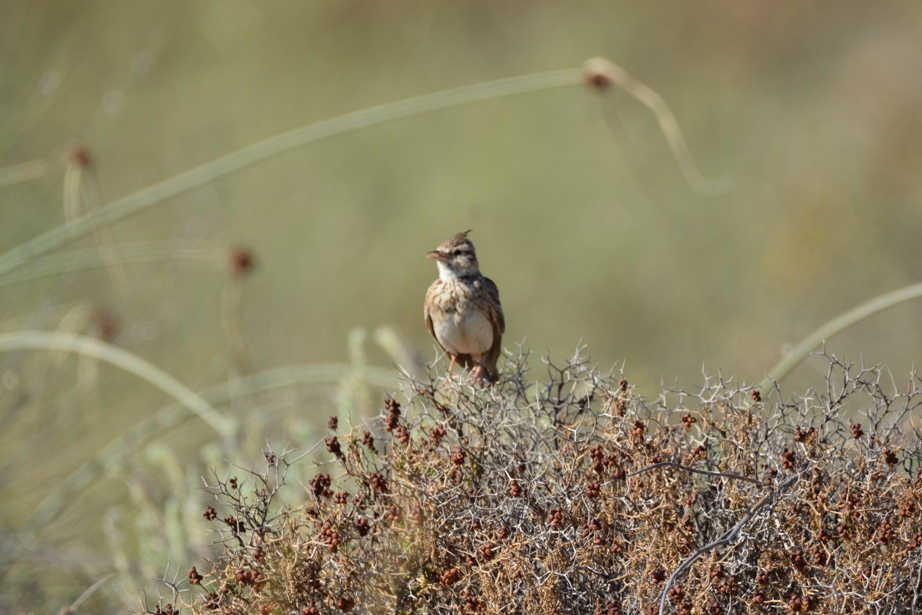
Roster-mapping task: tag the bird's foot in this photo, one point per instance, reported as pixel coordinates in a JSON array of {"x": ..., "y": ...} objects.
[{"x": 477, "y": 373}]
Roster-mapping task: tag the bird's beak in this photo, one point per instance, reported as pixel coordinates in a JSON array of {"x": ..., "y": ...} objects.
[{"x": 437, "y": 256}]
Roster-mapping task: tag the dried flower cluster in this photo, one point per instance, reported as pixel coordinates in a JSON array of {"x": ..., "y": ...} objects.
[{"x": 577, "y": 497}]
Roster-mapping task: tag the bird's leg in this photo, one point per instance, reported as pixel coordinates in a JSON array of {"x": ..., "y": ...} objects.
[
  {"x": 477, "y": 372},
  {"x": 451, "y": 366}
]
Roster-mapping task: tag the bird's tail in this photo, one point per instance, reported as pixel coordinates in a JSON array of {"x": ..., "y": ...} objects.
[{"x": 488, "y": 365}]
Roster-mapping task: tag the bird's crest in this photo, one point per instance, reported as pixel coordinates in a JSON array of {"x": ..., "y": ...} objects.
[{"x": 457, "y": 240}]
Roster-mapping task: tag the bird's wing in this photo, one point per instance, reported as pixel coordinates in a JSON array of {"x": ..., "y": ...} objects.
[
  {"x": 500, "y": 320},
  {"x": 495, "y": 314},
  {"x": 429, "y": 325}
]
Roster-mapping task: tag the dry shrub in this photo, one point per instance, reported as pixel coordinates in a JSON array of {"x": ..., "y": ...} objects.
[{"x": 576, "y": 496}]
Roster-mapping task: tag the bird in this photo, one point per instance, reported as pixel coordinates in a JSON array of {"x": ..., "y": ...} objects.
[{"x": 462, "y": 309}]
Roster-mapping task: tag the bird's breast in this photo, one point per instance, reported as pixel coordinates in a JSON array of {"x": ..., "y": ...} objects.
[{"x": 460, "y": 326}]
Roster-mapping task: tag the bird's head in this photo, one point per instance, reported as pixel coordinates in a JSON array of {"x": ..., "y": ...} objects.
[{"x": 456, "y": 257}]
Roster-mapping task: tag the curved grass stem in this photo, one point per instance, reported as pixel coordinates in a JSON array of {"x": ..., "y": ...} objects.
[
  {"x": 667, "y": 123},
  {"x": 24, "y": 172},
  {"x": 235, "y": 161},
  {"x": 837, "y": 324},
  {"x": 43, "y": 340},
  {"x": 252, "y": 154},
  {"x": 172, "y": 415},
  {"x": 130, "y": 254}
]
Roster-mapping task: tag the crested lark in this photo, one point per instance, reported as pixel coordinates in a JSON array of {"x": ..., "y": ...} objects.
[{"x": 462, "y": 309}]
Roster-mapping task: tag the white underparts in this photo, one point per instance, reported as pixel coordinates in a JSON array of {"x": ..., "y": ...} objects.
[{"x": 470, "y": 333}]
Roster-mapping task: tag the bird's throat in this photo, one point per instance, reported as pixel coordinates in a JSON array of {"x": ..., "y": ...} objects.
[{"x": 446, "y": 273}]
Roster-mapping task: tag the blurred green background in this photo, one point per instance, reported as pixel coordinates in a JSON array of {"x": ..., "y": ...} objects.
[{"x": 590, "y": 231}]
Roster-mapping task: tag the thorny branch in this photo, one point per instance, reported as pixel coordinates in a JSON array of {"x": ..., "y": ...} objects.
[
  {"x": 543, "y": 499},
  {"x": 672, "y": 464},
  {"x": 727, "y": 538}
]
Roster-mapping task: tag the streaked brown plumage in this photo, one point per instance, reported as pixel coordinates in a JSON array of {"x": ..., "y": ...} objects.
[{"x": 462, "y": 309}]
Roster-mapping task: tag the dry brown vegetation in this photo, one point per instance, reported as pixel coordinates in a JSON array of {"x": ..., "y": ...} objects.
[{"x": 574, "y": 495}]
